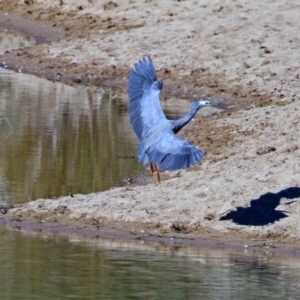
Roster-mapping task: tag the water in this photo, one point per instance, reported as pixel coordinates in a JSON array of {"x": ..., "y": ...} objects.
[
  {"x": 57, "y": 139},
  {"x": 38, "y": 266}
]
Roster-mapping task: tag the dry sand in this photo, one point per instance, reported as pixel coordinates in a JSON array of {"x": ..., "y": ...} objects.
[{"x": 245, "y": 53}]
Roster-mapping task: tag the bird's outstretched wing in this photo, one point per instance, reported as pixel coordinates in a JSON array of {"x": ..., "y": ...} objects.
[
  {"x": 170, "y": 152},
  {"x": 144, "y": 104}
]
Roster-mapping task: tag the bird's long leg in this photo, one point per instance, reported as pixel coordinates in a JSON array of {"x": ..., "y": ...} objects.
[
  {"x": 157, "y": 173},
  {"x": 151, "y": 168},
  {"x": 154, "y": 171}
]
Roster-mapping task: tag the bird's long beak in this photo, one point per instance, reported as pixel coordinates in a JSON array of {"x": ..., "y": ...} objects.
[
  {"x": 215, "y": 103},
  {"x": 219, "y": 104}
]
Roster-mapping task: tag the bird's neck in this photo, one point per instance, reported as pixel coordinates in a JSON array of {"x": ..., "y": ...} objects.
[{"x": 180, "y": 123}]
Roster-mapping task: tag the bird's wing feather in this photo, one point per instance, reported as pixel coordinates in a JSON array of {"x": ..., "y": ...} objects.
[
  {"x": 144, "y": 104},
  {"x": 170, "y": 152}
]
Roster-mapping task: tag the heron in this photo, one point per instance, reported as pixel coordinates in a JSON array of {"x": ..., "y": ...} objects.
[{"x": 159, "y": 146}]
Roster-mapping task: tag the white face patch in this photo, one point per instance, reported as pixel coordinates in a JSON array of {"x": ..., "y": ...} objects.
[{"x": 204, "y": 102}]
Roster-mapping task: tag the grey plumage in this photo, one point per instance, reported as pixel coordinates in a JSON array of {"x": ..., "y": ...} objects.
[{"x": 159, "y": 143}]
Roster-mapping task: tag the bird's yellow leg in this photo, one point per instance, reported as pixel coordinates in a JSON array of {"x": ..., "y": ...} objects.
[
  {"x": 151, "y": 168},
  {"x": 157, "y": 173},
  {"x": 154, "y": 171}
]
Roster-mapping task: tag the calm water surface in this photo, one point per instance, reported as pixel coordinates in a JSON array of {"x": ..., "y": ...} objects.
[
  {"x": 57, "y": 139},
  {"x": 46, "y": 267}
]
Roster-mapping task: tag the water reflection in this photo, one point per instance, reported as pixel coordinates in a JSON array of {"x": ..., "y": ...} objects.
[
  {"x": 45, "y": 267},
  {"x": 57, "y": 139}
]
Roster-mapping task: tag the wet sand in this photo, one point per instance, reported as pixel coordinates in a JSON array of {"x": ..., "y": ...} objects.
[{"x": 245, "y": 54}]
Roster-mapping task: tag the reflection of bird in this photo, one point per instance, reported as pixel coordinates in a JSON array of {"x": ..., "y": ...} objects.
[{"x": 159, "y": 146}]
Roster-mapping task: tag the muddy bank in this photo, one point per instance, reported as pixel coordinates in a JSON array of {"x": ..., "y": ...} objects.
[
  {"x": 243, "y": 53},
  {"x": 204, "y": 49},
  {"x": 145, "y": 239}
]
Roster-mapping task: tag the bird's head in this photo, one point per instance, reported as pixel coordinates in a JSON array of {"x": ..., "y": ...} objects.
[{"x": 202, "y": 103}]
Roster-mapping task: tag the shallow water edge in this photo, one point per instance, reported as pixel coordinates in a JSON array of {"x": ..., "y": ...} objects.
[{"x": 170, "y": 240}]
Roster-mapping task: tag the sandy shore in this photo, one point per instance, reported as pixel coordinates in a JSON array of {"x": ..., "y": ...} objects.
[{"x": 243, "y": 53}]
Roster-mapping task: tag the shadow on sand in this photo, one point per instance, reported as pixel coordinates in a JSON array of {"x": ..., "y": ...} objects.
[{"x": 262, "y": 210}]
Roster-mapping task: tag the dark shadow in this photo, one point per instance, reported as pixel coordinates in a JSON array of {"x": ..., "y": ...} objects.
[{"x": 262, "y": 210}]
